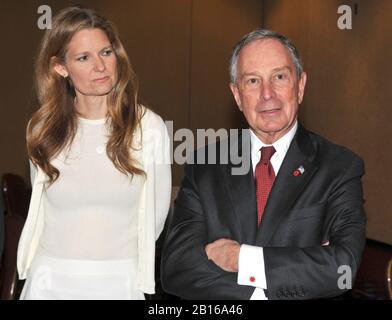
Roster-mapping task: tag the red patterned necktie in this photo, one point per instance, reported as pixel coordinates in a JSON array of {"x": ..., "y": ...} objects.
[{"x": 265, "y": 177}]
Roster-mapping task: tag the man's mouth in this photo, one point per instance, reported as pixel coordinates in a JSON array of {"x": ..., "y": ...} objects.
[{"x": 270, "y": 111}]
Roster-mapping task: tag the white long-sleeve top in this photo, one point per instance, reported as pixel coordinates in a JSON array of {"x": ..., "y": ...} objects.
[
  {"x": 91, "y": 209},
  {"x": 153, "y": 154}
]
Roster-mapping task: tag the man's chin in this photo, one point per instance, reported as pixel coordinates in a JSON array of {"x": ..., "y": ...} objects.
[
  {"x": 271, "y": 129},
  {"x": 271, "y": 133}
]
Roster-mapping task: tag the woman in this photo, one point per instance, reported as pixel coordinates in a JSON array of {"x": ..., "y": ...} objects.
[{"x": 100, "y": 169}]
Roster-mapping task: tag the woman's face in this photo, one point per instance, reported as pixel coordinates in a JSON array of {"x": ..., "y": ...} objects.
[{"x": 90, "y": 62}]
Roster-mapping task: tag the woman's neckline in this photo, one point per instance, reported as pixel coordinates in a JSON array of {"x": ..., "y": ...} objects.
[{"x": 92, "y": 121}]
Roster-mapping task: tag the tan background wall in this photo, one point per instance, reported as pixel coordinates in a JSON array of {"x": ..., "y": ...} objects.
[
  {"x": 180, "y": 50},
  {"x": 348, "y": 96}
]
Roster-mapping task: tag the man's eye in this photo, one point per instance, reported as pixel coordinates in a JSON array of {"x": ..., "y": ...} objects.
[
  {"x": 281, "y": 76},
  {"x": 252, "y": 80}
]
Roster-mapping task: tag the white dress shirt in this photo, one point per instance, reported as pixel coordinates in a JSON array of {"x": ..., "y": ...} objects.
[{"x": 251, "y": 259}]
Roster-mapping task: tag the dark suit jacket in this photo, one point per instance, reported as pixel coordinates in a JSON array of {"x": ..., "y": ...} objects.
[
  {"x": 1, "y": 226},
  {"x": 325, "y": 203}
]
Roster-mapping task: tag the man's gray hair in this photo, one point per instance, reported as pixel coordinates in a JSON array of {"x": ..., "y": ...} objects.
[{"x": 260, "y": 34}]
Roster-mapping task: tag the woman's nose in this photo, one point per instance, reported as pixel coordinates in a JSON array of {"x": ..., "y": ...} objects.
[{"x": 99, "y": 64}]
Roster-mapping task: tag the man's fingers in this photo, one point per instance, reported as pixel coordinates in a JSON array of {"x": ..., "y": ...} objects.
[
  {"x": 208, "y": 250},
  {"x": 223, "y": 241},
  {"x": 219, "y": 244}
]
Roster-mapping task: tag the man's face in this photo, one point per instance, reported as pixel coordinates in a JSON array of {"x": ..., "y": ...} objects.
[{"x": 268, "y": 91}]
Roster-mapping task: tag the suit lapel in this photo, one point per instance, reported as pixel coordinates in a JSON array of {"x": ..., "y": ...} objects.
[
  {"x": 288, "y": 186},
  {"x": 241, "y": 190}
]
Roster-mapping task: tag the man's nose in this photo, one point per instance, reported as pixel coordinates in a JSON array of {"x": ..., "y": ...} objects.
[
  {"x": 99, "y": 64},
  {"x": 267, "y": 90}
]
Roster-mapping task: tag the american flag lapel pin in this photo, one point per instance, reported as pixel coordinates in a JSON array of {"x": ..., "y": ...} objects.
[{"x": 299, "y": 171}]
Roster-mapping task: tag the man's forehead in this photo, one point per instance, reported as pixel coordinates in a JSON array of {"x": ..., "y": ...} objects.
[
  {"x": 268, "y": 53},
  {"x": 264, "y": 44}
]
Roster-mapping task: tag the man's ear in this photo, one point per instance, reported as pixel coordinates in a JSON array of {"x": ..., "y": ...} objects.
[
  {"x": 301, "y": 86},
  {"x": 236, "y": 94},
  {"x": 59, "y": 67}
]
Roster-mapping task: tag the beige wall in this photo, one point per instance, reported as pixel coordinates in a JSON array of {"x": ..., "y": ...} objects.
[
  {"x": 349, "y": 94},
  {"x": 216, "y": 27}
]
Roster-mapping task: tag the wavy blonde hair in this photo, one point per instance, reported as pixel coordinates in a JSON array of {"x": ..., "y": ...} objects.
[{"x": 53, "y": 126}]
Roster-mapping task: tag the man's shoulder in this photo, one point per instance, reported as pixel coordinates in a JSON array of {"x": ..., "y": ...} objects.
[{"x": 331, "y": 151}]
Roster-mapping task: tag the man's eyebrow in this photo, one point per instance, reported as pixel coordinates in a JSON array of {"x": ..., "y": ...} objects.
[
  {"x": 256, "y": 73},
  {"x": 277, "y": 69}
]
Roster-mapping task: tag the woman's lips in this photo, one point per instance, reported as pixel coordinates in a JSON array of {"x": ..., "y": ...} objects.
[{"x": 100, "y": 80}]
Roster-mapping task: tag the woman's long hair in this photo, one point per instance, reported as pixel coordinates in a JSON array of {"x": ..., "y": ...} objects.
[{"x": 53, "y": 126}]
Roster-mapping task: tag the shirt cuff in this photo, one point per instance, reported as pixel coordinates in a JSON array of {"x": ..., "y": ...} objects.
[
  {"x": 258, "y": 294},
  {"x": 251, "y": 267}
]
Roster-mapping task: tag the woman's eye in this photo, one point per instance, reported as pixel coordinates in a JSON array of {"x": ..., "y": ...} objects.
[
  {"x": 82, "y": 58},
  {"x": 107, "y": 52}
]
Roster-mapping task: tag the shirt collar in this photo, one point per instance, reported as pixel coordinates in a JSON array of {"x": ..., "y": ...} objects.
[{"x": 281, "y": 146}]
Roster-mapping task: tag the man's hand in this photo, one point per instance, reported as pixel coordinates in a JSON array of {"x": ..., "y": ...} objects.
[{"x": 224, "y": 253}]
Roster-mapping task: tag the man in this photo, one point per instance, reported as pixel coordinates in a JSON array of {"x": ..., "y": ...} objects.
[{"x": 293, "y": 227}]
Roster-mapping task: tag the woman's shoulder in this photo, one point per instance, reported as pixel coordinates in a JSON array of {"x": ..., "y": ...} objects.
[{"x": 150, "y": 119}]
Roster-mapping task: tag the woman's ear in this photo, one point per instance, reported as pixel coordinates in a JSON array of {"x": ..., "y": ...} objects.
[{"x": 59, "y": 67}]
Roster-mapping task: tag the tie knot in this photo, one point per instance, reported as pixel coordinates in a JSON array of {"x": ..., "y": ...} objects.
[{"x": 266, "y": 154}]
